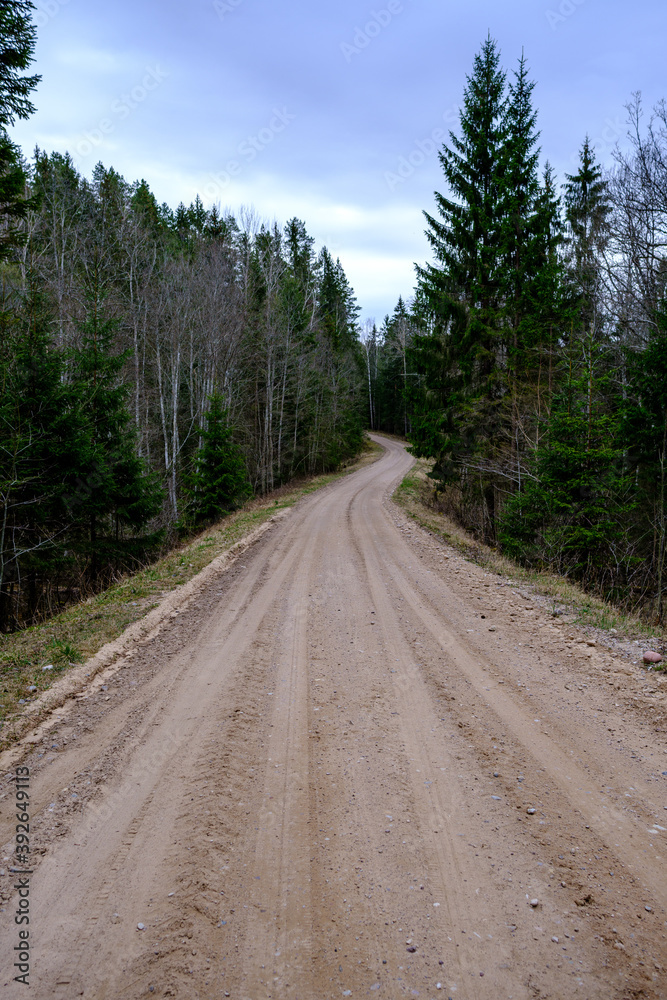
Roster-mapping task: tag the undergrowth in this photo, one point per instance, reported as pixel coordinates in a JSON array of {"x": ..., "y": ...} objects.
[{"x": 416, "y": 496}]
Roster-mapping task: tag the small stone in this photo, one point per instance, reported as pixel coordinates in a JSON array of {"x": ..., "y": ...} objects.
[
  {"x": 496, "y": 774},
  {"x": 555, "y": 940},
  {"x": 531, "y": 811},
  {"x": 49, "y": 666},
  {"x": 411, "y": 949},
  {"x": 438, "y": 986},
  {"x": 115, "y": 919},
  {"x": 648, "y": 909},
  {"x": 652, "y": 657},
  {"x": 141, "y": 927},
  {"x": 33, "y": 687},
  {"x": 534, "y": 903},
  {"x": 492, "y": 629}
]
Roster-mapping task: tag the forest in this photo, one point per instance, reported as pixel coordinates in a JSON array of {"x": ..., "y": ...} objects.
[
  {"x": 531, "y": 363},
  {"x": 158, "y": 366}
]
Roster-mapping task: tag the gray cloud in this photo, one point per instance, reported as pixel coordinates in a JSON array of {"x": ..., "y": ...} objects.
[{"x": 354, "y": 117}]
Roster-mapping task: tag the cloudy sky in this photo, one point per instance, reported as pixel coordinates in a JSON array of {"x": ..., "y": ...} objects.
[{"x": 325, "y": 111}]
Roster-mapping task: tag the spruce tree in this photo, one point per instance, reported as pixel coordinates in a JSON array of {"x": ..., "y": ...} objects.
[
  {"x": 299, "y": 251},
  {"x": 587, "y": 209},
  {"x": 220, "y": 481},
  {"x": 519, "y": 189},
  {"x": 463, "y": 290},
  {"x": 145, "y": 206},
  {"x": 546, "y": 316},
  {"x": 218, "y": 228},
  {"x": 197, "y": 215},
  {"x": 576, "y": 504},
  {"x": 337, "y": 306},
  {"x": 518, "y": 240},
  {"x": 465, "y": 238},
  {"x": 393, "y": 374},
  {"x": 644, "y": 410},
  {"x": 17, "y": 46},
  {"x": 115, "y": 493},
  {"x": 438, "y": 425},
  {"x": 40, "y": 440}
]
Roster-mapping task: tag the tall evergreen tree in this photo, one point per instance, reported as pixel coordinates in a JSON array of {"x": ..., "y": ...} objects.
[
  {"x": 17, "y": 46},
  {"x": 115, "y": 492},
  {"x": 587, "y": 210},
  {"x": 547, "y": 305},
  {"x": 463, "y": 289},
  {"x": 40, "y": 440},
  {"x": 519, "y": 191},
  {"x": 220, "y": 482},
  {"x": 337, "y": 306},
  {"x": 518, "y": 240},
  {"x": 465, "y": 238},
  {"x": 393, "y": 376}
]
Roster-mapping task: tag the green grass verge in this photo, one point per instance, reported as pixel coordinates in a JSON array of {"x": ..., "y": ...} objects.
[
  {"x": 415, "y": 496},
  {"x": 80, "y": 631}
]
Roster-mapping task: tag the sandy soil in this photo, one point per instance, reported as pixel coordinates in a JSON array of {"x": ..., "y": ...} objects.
[{"x": 353, "y": 765}]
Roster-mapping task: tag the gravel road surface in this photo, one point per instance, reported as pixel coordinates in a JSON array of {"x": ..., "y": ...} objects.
[{"x": 354, "y": 765}]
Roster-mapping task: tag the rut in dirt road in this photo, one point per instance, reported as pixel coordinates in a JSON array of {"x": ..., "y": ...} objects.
[{"x": 354, "y": 766}]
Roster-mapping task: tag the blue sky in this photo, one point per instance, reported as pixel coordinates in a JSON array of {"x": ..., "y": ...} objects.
[{"x": 325, "y": 111}]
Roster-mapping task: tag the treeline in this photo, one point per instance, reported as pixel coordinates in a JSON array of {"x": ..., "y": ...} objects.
[
  {"x": 157, "y": 366},
  {"x": 535, "y": 360}
]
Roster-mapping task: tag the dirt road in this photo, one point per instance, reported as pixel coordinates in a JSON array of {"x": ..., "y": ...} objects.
[{"x": 354, "y": 766}]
